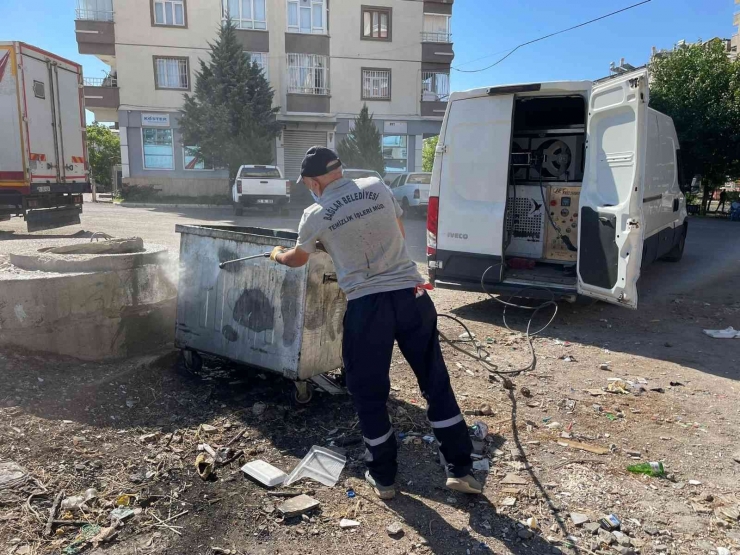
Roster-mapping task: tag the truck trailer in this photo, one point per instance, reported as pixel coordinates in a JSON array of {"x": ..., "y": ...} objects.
[{"x": 43, "y": 152}]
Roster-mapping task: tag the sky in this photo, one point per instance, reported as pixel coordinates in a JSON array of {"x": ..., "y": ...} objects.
[{"x": 481, "y": 29}]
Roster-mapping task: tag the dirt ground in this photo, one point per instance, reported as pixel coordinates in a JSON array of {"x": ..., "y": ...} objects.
[{"x": 131, "y": 428}]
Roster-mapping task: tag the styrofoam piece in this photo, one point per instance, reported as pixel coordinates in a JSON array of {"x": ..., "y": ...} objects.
[
  {"x": 320, "y": 464},
  {"x": 264, "y": 473}
]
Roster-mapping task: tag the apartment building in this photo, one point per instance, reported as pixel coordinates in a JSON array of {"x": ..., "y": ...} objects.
[{"x": 324, "y": 59}]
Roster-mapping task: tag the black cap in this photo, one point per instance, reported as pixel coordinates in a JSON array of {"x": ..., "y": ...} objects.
[{"x": 319, "y": 161}]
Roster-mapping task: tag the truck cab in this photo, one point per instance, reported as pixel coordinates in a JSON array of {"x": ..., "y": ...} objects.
[{"x": 565, "y": 188}]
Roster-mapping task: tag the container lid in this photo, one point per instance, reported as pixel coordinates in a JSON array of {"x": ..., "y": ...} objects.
[
  {"x": 320, "y": 464},
  {"x": 264, "y": 473}
]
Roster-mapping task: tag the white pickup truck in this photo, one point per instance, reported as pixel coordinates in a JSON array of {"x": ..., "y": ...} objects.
[{"x": 260, "y": 186}]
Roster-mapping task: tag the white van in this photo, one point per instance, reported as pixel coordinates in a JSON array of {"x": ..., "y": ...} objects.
[{"x": 569, "y": 187}]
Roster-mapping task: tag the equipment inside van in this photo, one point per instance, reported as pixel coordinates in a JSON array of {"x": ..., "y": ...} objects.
[{"x": 564, "y": 189}]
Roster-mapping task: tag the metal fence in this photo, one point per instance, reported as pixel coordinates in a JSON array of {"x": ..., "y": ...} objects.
[
  {"x": 308, "y": 74},
  {"x": 100, "y": 81},
  {"x": 95, "y": 10},
  {"x": 427, "y": 36},
  {"x": 435, "y": 87}
]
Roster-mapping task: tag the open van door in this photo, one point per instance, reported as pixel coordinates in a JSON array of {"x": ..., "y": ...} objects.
[{"x": 611, "y": 223}]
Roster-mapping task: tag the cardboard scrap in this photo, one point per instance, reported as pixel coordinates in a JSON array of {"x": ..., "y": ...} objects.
[{"x": 583, "y": 446}]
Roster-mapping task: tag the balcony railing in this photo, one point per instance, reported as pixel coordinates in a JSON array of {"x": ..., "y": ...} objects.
[
  {"x": 93, "y": 15},
  {"x": 436, "y": 37},
  {"x": 100, "y": 81},
  {"x": 435, "y": 87}
]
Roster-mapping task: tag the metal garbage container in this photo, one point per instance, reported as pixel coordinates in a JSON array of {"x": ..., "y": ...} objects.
[{"x": 256, "y": 312}]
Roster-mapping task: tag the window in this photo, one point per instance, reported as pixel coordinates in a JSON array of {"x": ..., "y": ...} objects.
[
  {"x": 420, "y": 179},
  {"x": 171, "y": 73},
  {"x": 376, "y": 84},
  {"x": 193, "y": 161},
  {"x": 169, "y": 13},
  {"x": 95, "y": 10},
  {"x": 436, "y": 28},
  {"x": 308, "y": 74},
  {"x": 261, "y": 172},
  {"x": 158, "y": 153},
  {"x": 395, "y": 153},
  {"x": 376, "y": 23},
  {"x": 306, "y": 16},
  {"x": 246, "y": 14},
  {"x": 435, "y": 87},
  {"x": 259, "y": 58}
]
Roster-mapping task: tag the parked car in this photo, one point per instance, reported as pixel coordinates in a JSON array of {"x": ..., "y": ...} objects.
[
  {"x": 351, "y": 173},
  {"x": 260, "y": 186},
  {"x": 412, "y": 191}
]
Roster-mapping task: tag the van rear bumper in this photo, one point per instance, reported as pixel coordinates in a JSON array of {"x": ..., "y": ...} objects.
[{"x": 529, "y": 291}]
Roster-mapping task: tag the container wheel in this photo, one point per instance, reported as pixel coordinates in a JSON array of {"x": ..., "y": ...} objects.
[
  {"x": 303, "y": 393},
  {"x": 190, "y": 361}
]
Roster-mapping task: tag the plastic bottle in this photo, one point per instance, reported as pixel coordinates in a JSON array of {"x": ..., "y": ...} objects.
[{"x": 651, "y": 469}]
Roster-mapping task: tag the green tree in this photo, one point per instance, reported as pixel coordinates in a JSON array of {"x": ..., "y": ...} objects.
[
  {"x": 361, "y": 148},
  {"x": 229, "y": 117},
  {"x": 427, "y": 153},
  {"x": 699, "y": 87},
  {"x": 104, "y": 152}
]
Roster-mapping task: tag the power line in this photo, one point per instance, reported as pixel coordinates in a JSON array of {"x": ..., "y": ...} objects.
[{"x": 551, "y": 35}]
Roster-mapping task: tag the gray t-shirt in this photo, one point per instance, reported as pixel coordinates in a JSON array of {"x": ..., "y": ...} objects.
[{"x": 356, "y": 222}]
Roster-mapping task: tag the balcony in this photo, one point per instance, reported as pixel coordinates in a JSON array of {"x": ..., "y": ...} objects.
[
  {"x": 435, "y": 92},
  {"x": 94, "y": 29},
  {"x": 102, "y": 97},
  {"x": 436, "y": 37}
]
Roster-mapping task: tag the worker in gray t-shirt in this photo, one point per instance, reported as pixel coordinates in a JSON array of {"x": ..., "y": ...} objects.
[{"x": 358, "y": 223}]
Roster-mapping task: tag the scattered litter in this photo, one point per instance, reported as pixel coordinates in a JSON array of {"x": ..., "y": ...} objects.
[
  {"x": 124, "y": 500},
  {"x": 394, "y": 529},
  {"x": 479, "y": 429},
  {"x": 12, "y": 475},
  {"x": 121, "y": 514},
  {"x": 508, "y": 501},
  {"x": 486, "y": 410},
  {"x": 77, "y": 502},
  {"x": 150, "y": 438},
  {"x": 320, "y": 464},
  {"x": 525, "y": 391},
  {"x": 264, "y": 473},
  {"x": 428, "y": 439},
  {"x": 466, "y": 336},
  {"x": 259, "y": 408},
  {"x": 723, "y": 551},
  {"x": 727, "y": 333},
  {"x": 204, "y": 465},
  {"x": 483, "y": 465},
  {"x": 85, "y": 534},
  {"x": 728, "y": 513},
  {"x": 583, "y": 446},
  {"x": 650, "y": 469},
  {"x": 676, "y": 384},
  {"x": 514, "y": 480},
  {"x": 207, "y": 428},
  {"x": 531, "y": 523},
  {"x": 605, "y": 366},
  {"x": 347, "y": 523},
  {"x": 592, "y": 527},
  {"x": 298, "y": 505},
  {"x": 568, "y": 358},
  {"x": 610, "y": 522},
  {"x": 657, "y": 389},
  {"x": 351, "y": 493},
  {"x": 579, "y": 518},
  {"x": 618, "y": 386},
  {"x": 554, "y": 425},
  {"x": 596, "y": 392},
  {"x": 694, "y": 483}
]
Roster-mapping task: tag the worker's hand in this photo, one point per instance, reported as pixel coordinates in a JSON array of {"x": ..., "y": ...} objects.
[{"x": 275, "y": 252}]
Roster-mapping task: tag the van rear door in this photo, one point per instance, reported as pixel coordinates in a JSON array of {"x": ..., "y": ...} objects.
[
  {"x": 611, "y": 225},
  {"x": 473, "y": 161}
]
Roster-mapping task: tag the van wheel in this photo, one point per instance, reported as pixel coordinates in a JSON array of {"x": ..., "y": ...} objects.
[
  {"x": 676, "y": 252},
  {"x": 406, "y": 207},
  {"x": 238, "y": 210}
]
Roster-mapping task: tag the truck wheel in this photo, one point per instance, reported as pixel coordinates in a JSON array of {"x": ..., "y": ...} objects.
[
  {"x": 406, "y": 207},
  {"x": 238, "y": 210},
  {"x": 676, "y": 252}
]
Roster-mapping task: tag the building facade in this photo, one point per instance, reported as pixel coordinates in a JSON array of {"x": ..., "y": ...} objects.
[{"x": 323, "y": 58}]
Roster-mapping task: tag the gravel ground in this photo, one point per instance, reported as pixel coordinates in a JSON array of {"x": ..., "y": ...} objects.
[{"x": 75, "y": 426}]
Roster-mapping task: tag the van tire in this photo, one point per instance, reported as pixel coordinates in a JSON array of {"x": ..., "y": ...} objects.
[
  {"x": 238, "y": 210},
  {"x": 406, "y": 207},
  {"x": 676, "y": 253}
]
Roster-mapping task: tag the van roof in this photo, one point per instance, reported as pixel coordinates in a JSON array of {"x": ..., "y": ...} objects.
[{"x": 547, "y": 87}]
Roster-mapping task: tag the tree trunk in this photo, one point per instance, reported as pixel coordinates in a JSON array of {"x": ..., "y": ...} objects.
[{"x": 705, "y": 197}]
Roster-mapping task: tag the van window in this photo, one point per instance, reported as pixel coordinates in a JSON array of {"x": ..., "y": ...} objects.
[
  {"x": 420, "y": 179},
  {"x": 262, "y": 172}
]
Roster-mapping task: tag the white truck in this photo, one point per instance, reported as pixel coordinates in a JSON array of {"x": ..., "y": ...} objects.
[
  {"x": 43, "y": 152},
  {"x": 564, "y": 189},
  {"x": 260, "y": 186}
]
